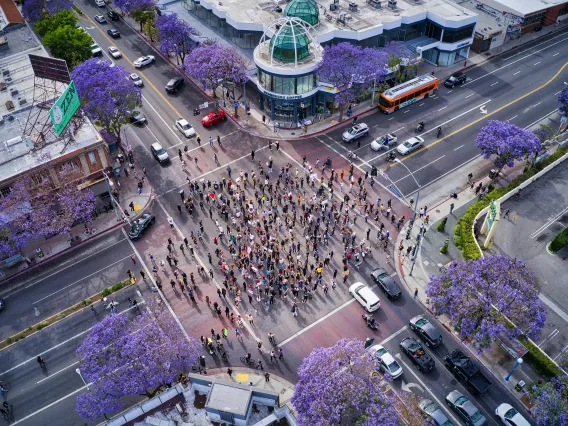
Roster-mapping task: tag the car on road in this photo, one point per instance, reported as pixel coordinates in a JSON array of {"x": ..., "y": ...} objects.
[
  {"x": 355, "y": 132},
  {"x": 410, "y": 145},
  {"x": 429, "y": 334},
  {"x": 384, "y": 142},
  {"x": 213, "y": 118},
  {"x": 100, "y": 19},
  {"x": 434, "y": 412},
  {"x": 114, "y": 52},
  {"x": 96, "y": 50},
  {"x": 174, "y": 84},
  {"x": 114, "y": 16},
  {"x": 140, "y": 225},
  {"x": 136, "y": 117},
  {"x": 386, "y": 283},
  {"x": 159, "y": 153},
  {"x": 461, "y": 404},
  {"x": 417, "y": 354},
  {"x": 113, "y": 32},
  {"x": 509, "y": 416},
  {"x": 136, "y": 80},
  {"x": 185, "y": 128},
  {"x": 454, "y": 79},
  {"x": 144, "y": 60},
  {"x": 100, "y": 3},
  {"x": 385, "y": 361},
  {"x": 365, "y": 296},
  {"x": 467, "y": 372}
]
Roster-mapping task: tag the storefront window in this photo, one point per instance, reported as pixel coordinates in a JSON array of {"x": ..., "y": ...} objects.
[
  {"x": 283, "y": 85},
  {"x": 453, "y": 36},
  {"x": 304, "y": 84}
]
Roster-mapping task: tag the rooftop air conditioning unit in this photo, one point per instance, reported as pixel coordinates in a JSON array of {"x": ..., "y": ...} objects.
[
  {"x": 5, "y": 72},
  {"x": 22, "y": 101},
  {"x": 375, "y": 3},
  {"x": 353, "y": 7},
  {"x": 14, "y": 92},
  {"x": 392, "y": 4},
  {"x": 333, "y": 7}
]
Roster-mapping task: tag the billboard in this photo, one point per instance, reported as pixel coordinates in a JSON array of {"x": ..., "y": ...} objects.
[
  {"x": 64, "y": 108},
  {"x": 50, "y": 68}
]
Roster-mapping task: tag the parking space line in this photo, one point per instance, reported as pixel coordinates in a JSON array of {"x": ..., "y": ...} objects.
[
  {"x": 547, "y": 224},
  {"x": 57, "y": 372}
]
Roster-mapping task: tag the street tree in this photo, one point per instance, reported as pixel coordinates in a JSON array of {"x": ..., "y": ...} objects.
[
  {"x": 352, "y": 69},
  {"x": 563, "y": 102},
  {"x": 33, "y": 209},
  {"x": 173, "y": 34},
  {"x": 481, "y": 296},
  {"x": 69, "y": 43},
  {"x": 151, "y": 30},
  {"x": 506, "y": 142},
  {"x": 215, "y": 64},
  {"x": 106, "y": 93},
  {"x": 550, "y": 399},
  {"x": 143, "y": 15},
  {"x": 404, "y": 63},
  {"x": 129, "y": 6},
  {"x": 33, "y": 10},
  {"x": 127, "y": 357},
  {"x": 337, "y": 386},
  {"x": 49, "y": 23}
]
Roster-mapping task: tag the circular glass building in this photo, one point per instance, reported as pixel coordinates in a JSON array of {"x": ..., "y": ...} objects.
[{"x": 306, "y": 10}]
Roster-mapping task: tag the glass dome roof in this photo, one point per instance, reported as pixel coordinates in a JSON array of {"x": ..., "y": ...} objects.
[
  {"x": 290, "y": 44},
  {"x": 306, "y": 10}
]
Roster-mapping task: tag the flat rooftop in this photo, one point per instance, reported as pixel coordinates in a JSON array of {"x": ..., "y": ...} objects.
[
  {"x": 229, "y": 399},
  {"x": 522, "y": 8},
  {"x": 489, "y": 21}
]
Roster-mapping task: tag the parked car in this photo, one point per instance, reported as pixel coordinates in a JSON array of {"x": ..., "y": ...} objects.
[
  {"x": 386, "y": 283},
  {"x": 410, "y": 145},
  {"x": 96, "y": 50},
  {"x": 461, "y": 404},
  {"x": 159, "y": 153},
  {"x": 466, "y": 371},
  {"x": 136, "y": 117},
  {"x": 136, "y": 80},
  {"x": 355, "y": 132},
  {"x": 113, "y": 32},
  {"x": 213, "y": 118},
  {"x": 174, "y": 84},
  {"x": 143, "y": 61},
  {"x": 365, "y": 296},
  {"x": 185, "y": 128},
  {"x": 114, "y": 52},
  {"x": 100, "y": 3},
  {"x": 385, "y": 361},
  {"x": 434, "y": 412},
  {"x": 429, "y": 334},
  {"x": 454, "y": 79},
  {"x": 384, "y": 142},
  {"x": 419, "y": 357},
  {"x": 509, "y": 416},
  {"x": 140, "y": 225},
  {"x": 100, "y": 19},
  {"x": 113, "y": 15}
]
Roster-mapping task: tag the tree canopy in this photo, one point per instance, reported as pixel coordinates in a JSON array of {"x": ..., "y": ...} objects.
[
  {"x": 69, "y": 43},
  {"x": 33, "y": 10},
  {"x": 173, "y": 34},
  {"x": 49, "y": 23},
  {"x": 563, "y": 102}
]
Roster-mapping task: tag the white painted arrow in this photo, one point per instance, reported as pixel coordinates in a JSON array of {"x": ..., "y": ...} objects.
[
  {"x": 407, "y": 387},
  {"x": 483, "y": 109}
]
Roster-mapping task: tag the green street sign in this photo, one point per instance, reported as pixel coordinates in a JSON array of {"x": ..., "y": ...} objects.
[{"x": 64, "y": 108}]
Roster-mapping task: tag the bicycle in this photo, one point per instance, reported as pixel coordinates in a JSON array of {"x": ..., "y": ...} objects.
[
  {"x": 90, "y": 231},
  {"x": 248, "y": 362}
]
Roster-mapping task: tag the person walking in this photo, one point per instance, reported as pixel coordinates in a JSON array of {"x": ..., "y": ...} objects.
[
  {"x": 93, "y": 310},
  {"x": 219, "y": 141},
  {"x": 230, "y": 372},
  {"x": 225, "y": 332},
  {"x": 41, "y": 361},
  {"x": 416, "y": 292},
  {"x": 267, "y": 377},
  {"x": 280, "y": 354},
  {"x": 507, "y": 213},
  {"x": 451, "y": 208},
  {"x": 259, "y": 364},
  {"x": 252, "y": 155},
  {"x": 211, "y": 141}
]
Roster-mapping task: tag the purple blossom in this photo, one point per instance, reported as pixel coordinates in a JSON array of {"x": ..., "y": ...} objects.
[
  {"x": 336, "y": 387},
  {"x": 215, "y": 64},
  {"x": 33, "y": 9},
  {"x": 173, "y": 34},
  {"x": 507, "y": 142},
  {"x": 551, "y": 402},
  {"x": 563, "y": 102},
  {"x": 129, "y": 6},
  {"x": 107, "y": 94},
  {"x": 478, "y": 296},
  {"x": 128, "y": 357}
]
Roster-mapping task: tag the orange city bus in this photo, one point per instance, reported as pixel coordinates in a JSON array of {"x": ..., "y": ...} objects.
[{"x": 407, "y": 93}]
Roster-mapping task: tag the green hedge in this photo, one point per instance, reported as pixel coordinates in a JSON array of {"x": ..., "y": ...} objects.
[
  {"x": 76, "y": 9},
  {"x": 559, "y": 241},
  {"x": 463, "y": 237},
  {"x": 540, "y": 363},
  {"x": 116, "y": 287}
]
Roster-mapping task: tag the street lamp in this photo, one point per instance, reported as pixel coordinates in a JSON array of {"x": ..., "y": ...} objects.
[
  {"x": 78, "y": 371},
  {"x": 517, "y": 363},
  {"x": 413, "y": 214}
]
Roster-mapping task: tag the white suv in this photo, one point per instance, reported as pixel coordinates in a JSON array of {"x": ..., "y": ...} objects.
[{"x": 365, "y": 296}]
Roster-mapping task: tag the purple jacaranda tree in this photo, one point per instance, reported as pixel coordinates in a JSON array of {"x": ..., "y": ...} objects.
[
  {"x": 507, "y": 143},
  {"x": 173, "y": 34},
  {"x": 479, "y": 296},
  {"x": 336, "y": 387},
  {"x": 34, "y": 209},
  {"x": 129, "y": 6},
  {"x": 107, "y": 94},
  {"x": 352, "y": 69},
  {"x": 563, "y": 102},
  {"x": 215, "y": 64},
  {"x": 127, "y": 357},
  {"x": 550, "y": 399},
  {"x": 33, "y": 10}
]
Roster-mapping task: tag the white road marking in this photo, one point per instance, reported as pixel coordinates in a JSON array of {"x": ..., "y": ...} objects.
[
  {"x": 407, "y": 111},
  {"x": 468, "y": 96},
  {"x": 443, "y": 108},
  {"x": 57, "y": 372},
  {"x": 549, "y": 337},
  {"x": 161, "y": 118},
  {"x": 421, "y": 104},
  {"x": 516, "y": 73},
  {"x": 495, "y": 83},
  {"x": 547, "y": 224},
  {"x": 535, "y": 105},
  {"x": 556, "y": 54},
  {"x": 553, "y": 306},
  {"x": 458, "y": 147},
  {"x": 537, "y": 63},
  {"x": 560, "y": 91},
  {"x": 392, "y": 118},
  {"x": 561, "y": 352},
  {"x": 512, "y": 118},
  {"x": 417, "y": 170},
  {"x": 392, "y": 336},
  {"x": 81, "y": 279},
  {"x": 449, "y": 91}
]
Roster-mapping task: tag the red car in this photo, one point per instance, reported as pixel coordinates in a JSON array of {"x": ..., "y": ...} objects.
[{"x": 213, "y": 118}]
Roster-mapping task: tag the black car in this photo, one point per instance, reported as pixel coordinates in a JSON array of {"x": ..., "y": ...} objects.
[
  {"x": 140, "y": 224},
  {"x": 174, "y": 84},
  {"x": 113, "y": 32},
  {"x": 454, "y": 79},
  {"x": 420, "y": 358},
  {"x": 136, "y": 117},
  {"x": 429, "y": 334},
  {"x": 387, "y": 284},
  {"x": 113, "y": 15}
]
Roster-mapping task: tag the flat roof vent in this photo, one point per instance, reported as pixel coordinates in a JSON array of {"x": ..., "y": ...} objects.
[
  {"x": 392, "y": 4},
  {"x": 353, "y": 7}
]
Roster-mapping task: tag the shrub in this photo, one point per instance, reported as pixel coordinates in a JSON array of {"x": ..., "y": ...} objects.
[
  {"x": 21, "y": 336},
  {"x": 541, "y": 364},
  {"x": 27, "y": 330},
  {"x": 9, "y": 340},
  {"x": 444, "y": 249},
  {"x": 441, "y": 226},
  {"x": 86, "y": 302},
  {"x": 41, "y": 325},
  {"x": 76, "y": 9},
  {"x": 106, "y": 292},
  {"x": 61, "y": 316},
  {"x": 559, "y": 241}
]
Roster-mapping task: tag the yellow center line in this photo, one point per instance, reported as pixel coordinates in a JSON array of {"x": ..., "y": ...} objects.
[{"x": 484, "y": 117}]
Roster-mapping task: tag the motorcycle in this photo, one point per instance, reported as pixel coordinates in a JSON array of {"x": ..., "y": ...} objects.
[
  {"x": 420, "y": 127},
  {"x": 371, "y": 322},
  {"x": 390, "y": 156}
]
